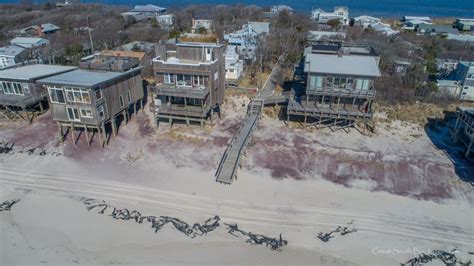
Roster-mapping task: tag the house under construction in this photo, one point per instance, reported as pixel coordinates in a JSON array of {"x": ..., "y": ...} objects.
[
  {"x": 463, "y": 131},
  {"x": 335, "y": 86}
]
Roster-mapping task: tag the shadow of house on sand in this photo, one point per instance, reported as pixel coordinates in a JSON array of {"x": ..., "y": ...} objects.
[{"x": 438, "y": 130}]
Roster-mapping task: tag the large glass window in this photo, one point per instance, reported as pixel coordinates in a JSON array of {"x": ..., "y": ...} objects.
[
  {"x": 199, "y": 80},
  {"x": 73, "y": 114},
  {"x": 7, "y": 88},
  {"x": 362, "y": 84},
  {"x": 169, "y": 79},
  {"x": 56, "y": 95},
  {"x": 18, "y": 89},
  {"x": 77, "y": 95},
  {"x": 183, "y": 80},
  {"x": 26, "y": 89},
  {"x": 86, "y": 112}
]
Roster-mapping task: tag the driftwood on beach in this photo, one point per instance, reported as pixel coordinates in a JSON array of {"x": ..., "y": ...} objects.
[{"x": 197, "y": 229}]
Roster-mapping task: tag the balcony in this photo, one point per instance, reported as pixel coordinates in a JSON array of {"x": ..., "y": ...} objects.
[
  {"x": 338, "y": 92},
  {"x": 179, "y": 91},
  {"x": 181, "y": 110}
]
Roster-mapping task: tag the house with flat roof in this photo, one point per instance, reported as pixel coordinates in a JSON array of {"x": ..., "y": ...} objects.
[
  {"x": 322, "y": 17},
  {"x": 166, "y": 21},
  {"x": 461, "y": 77},
  {"x": 464, "y": 24},
  {"x": 275, "y": 10},
  {"x": 142, "y": 12},
  {"x": 29, "y": 42},
  {"x": 383, "y": 28},
  {"x": 318, "y": 35},
  {"x": 89, "y": 100},
  {"x": 190, "y": 81},
  {"x": 246, "y": 38},
  {"x": 365, "y": 21},
  {"x": 201, "y": 26},
  {"x": 19, "y": 90},
  {"x": 12, "y": 55},
  {"x": 436, "y": 29},
  {"x": 336, "y": 89},
  {"x": 234, "y": 66}
]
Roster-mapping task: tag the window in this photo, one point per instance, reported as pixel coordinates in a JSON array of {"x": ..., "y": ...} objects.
[
  {"x": 328, "y": 82},
  {"x": 183, "y": 80},
  {"x": 101, "y": 112},
  {"x": 26, "y": 89},
  {"x": 350, "y": 83},
  {"x": 18, "y": 89},
  {"x": 86, "y": 112},
  {"x": 169, "y": 79},
  {"x": 73, "y": 114},
  {"x": 362, "y": 84},
  {"x": 98, "y": 94},
  {"x": 129, "y": 96},
  {"x": 199, "y": 80},
  {"x": 77, "y": 95},
  {"x": 121, "y": 101},
  {"x": 470, "y": 76},
  {"x": 7, "y": 88},
  {"x": 56, "y": 95},
  {"x": 208, "y": 54}
]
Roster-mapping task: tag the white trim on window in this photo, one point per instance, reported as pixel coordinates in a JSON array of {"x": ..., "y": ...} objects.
[
  {"x": 122, "y": 104},
  {"x": 56, "y": 95},
  {"x": 129, "y": 96},
  {"x": 77, "y": 95},
  {"x": 73, "y": 113},
  {"x": 86, "y": 112}
]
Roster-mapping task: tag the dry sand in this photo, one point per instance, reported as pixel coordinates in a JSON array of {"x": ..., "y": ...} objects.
[{"x": 403, "y": 193}]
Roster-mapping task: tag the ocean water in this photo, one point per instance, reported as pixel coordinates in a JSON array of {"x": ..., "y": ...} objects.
[{"x": 382, "y": 8}]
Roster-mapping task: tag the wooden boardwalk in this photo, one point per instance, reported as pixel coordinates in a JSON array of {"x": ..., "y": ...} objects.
[{"x": 231, "y": 160}]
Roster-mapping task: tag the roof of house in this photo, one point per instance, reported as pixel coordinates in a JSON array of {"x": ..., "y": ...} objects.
[
  {"x": 447, "y": 83},
  {"x": 365, "y": 17},
  {"x": 47, "y": 27},
  {"x": 351, "y": 65},
  {"x": 461, "y": 38},
  {"x": 84, "y": 78},
  {"x": 139, "y": 55},
  {"x": 11, "y": 50},
  {"x": 28, "y": 40},
  {"x": 148, "y": 8},
  {"x": 407, "y": 18},
  {"x": 33, "y": 72},
  {"x": 259, "y": 27},
  {"x": 436, "y": 28}
]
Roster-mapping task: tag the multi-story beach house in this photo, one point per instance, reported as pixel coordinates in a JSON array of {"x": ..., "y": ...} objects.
[
  {"x": 190, "y": 81},
  {"x": 88, "y": 100},
  {"x": 337, "y": 87}
]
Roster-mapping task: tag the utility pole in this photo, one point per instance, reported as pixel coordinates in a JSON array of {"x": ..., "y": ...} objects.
[{"x": 90, "y": 35}]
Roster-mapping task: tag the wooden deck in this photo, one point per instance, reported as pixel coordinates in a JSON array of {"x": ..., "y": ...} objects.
[{"x": 231, "y": 160}]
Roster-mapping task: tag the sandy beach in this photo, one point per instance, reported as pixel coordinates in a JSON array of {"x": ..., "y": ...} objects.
[{"x": 402, "y": 192}]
